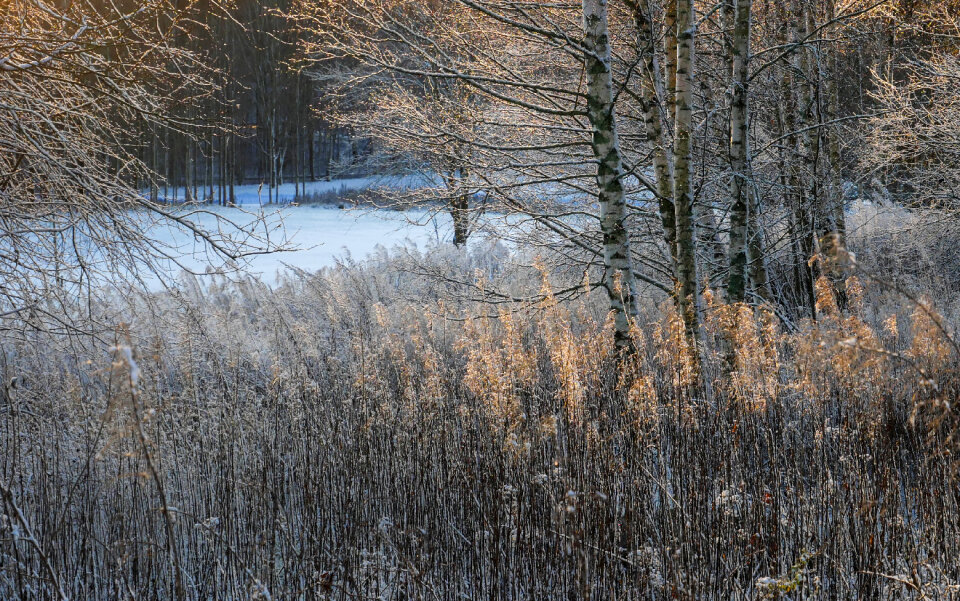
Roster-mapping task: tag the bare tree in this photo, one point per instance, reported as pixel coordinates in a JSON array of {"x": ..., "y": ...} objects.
[
  {"x": 730, "y": 159},
  {"x": 916, "y": 140},
  {"x": 534, "y": 94},
  {"x": 739, "y": 153},
  {"x": 689, "y": 293},
  {"x": 73, "y": 80},
  {"x": 618, "y": 271}
]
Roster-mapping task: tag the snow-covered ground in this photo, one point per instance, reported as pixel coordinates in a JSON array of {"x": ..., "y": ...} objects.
[
  {"x": 317, "y": 236},
  {"x": 314, "y": 236}
]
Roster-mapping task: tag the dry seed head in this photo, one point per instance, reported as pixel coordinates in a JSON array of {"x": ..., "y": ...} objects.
[
  {"x": 855, "y": 294},
  {"x": 826, "y": 302},
  {"x": 929, "y": 342},
  {"x": 891, "y": 327}
]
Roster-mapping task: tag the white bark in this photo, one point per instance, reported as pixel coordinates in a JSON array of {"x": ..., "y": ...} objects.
[
  {"x": 618, "y": 271},
  {"x": 682, "y": 153},
  {"x": 651, "y": 90}
]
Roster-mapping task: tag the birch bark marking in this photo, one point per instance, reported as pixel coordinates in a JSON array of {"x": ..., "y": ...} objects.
[
  {"x": 670, "y": 57},
  {"x": 739, "y": 180},
  {"x": 682, "y": 151},
  {"x": 618, "y": 271},
  {"x": 651, "y": 91}
]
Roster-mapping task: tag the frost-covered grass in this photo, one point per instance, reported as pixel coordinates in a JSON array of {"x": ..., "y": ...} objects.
[{"x": 368, "y": 433}]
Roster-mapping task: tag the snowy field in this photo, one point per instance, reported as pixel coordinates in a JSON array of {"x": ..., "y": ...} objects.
[
  {"x": 313, "y": 236},
  {"x": 316, "y": 236}
]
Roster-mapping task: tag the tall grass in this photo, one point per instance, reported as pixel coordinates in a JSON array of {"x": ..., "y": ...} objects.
[{"x": 353, "y": 435}]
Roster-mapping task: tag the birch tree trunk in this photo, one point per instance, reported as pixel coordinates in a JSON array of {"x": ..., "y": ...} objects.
[
  {"x": 670, "y": 57},
  {"x": 651, "y": 91},
  {"x": 618, "y": 271},
  {"x": 793, "y": 150},
  {"x": 682, "y": 154},
  {"x": 739, "y": 180}
]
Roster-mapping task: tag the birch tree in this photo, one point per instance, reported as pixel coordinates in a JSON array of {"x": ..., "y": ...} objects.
[
  {"x": 739, "y": 152},
  {"x": 654, "y": 119},
  {"x": 539, "y": 143},
  {"x": 689, "y": 294},
  {"x": 618, "y": 271}
]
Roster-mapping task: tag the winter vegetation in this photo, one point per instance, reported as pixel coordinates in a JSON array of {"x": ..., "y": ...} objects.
[{"x": 479, "y": 299}]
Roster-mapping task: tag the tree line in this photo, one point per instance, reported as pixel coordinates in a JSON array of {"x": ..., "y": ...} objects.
[{"x": 258, "y": 120}]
